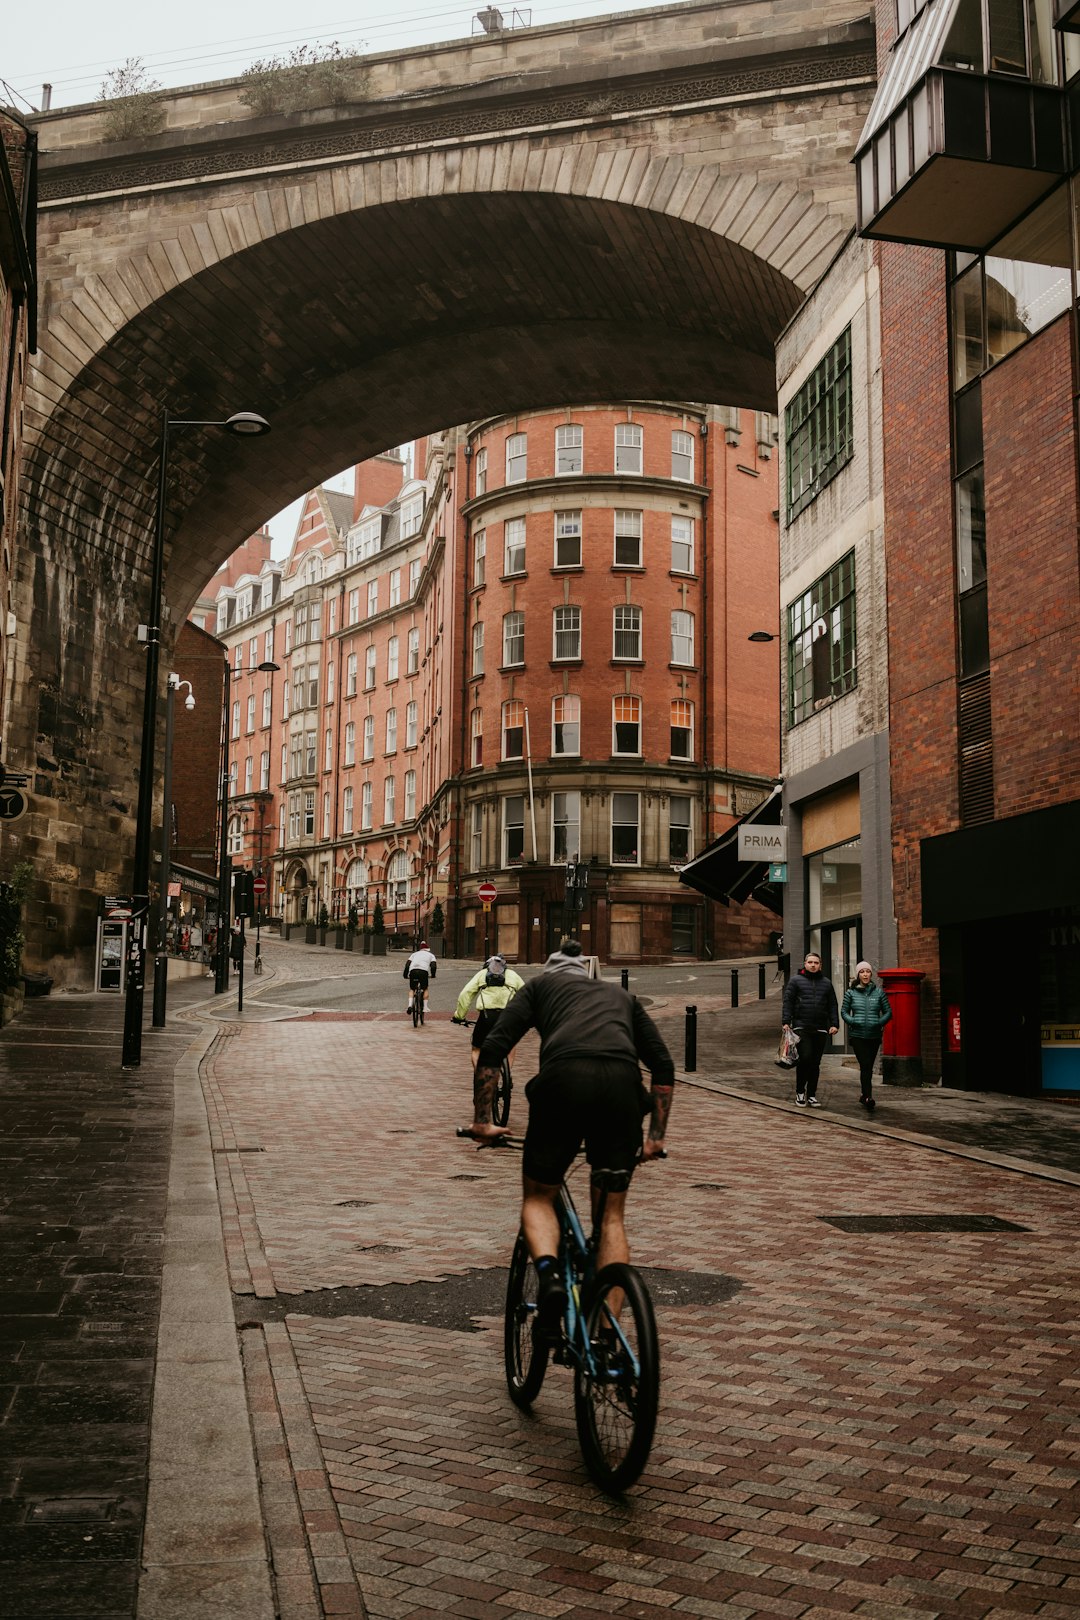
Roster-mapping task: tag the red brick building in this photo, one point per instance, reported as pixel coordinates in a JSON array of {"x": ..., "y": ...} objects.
[{"x": 971, "y": 146}]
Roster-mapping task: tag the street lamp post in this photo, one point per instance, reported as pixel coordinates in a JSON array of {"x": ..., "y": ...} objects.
[
  {"x": 245, "y": 424},
  {"x": 161, "y": 956}
]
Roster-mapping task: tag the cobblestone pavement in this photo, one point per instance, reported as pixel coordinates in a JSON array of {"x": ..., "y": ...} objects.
[{"x": 878, "y": 1422}]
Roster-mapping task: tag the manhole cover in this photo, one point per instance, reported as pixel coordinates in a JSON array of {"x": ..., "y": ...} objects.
[
  {"x": 72, "y": 1510},
  {"x": 922, "y": 1223}
]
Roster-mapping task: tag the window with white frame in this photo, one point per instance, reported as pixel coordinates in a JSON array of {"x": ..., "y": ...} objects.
[
  {"x": 315, "y": 621},
  {"x": 478, "y": 647},
  {"x": 296, "y": 754},
  {"x": 285, "y": 699},
  {"x": 251, "y": 712},
  {"x": 625, "y": 815},
  {"x": 513, "y": 638},
  {"x": 628, "y": 527},
  {"x": 513, "y": 729},
  {"x": 347, "y": 810},
  {"x": 568, "y": 448},
  {"x": 398, "y": 878},
  {"x": 298, "y": 689},
  {"x": 294, "y": 817},
  {"x": 287, "y": 648},
  {"x": 626, "y": 724},
  {"x": 222, "y": 614},
  {"x": 680, "y": 808},
  {"x": 391, "y": 731},
  {"x": 567, "y": 539},
  {"x": 567, "y": 633},
  {"x": 300, "y": 624},
  {"x": 410, "y": 795},
  {"x": 565, "y": 826},
  {"x": 412, "y": 516},
  {"x": 365, "y": 539},
  {"x": 370, "y": 658},
  {"x": 264, "y": 771},
  {"x": 356, "y": 881},
  {"x": 236, "y": 835},
  {"x": 267, "y": 706},
  {"x": 627, "y": 632},
  {"x": 326, "y": 815},
  {"x": 479, "y": 556},
  {"x": 353, "y": 615},
  {"x": 310, "y": 754},
  {"x": 513, "y": 829},
  {"x": 388, "y": 800},
  {"x": 395, "y": 587},
  {"x": 682, "y": 544},
  {"x": 331, "y": 616},
  {"x": 328, "y": 747},
  {"x": 628, "y": 440},
  {"x": 517, "y": 458},
  {"x": 372, "y": 597},
  {"x": 243, "y": 605},
  {"x": 369, "y": 736},
  {"x": 350, "y": 745},
  {"x": 476, "y": 837},
  {"x": 309, "y": 815},
  {"x": 682, "y": 637},
  {"x": 249, "y": 774},
  {"x": 476, "y": 738},
  {"x": 682, "y": 456},
  {"x": 238, "y": 658},
  {"x": 392, "y": 658},
  {"x": 313, "y": 686},
  {"x": 266, "y": 591},
  {"x": 412, "y": 651},
  {"x": 365, "y": 806},
  {"x": 481, "y": 472},
  {"x": 514, "y": 546},
  {"x": 268, "y": 646},
  {"x": 253, "y": 652},
  {"x": 415, "y": 570},
  {"x": 284, "y": 762},
  {"x": 566, "y": 724},
  {"x": 682, "y": 729},
  {"x": 235, "y": 730},
  {"x": 329, "y": 680},
  {"x": 411, "y": 725},
  {"x": 350, "y": 676}
]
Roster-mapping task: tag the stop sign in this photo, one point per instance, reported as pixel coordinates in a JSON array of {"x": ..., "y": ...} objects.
[
  {"x": 487, "y": 892},
  {"x": 259, "y": 886}
]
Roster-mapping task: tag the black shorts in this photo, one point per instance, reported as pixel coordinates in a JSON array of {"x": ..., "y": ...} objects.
[
  {"x": 418, "y": 976},
  {"x": 595, "y": 1101},
  {"x": 486, "y": 1019}
]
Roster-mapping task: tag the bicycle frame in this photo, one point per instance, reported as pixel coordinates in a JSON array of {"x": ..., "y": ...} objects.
[{"x": 577, "y": 1255}]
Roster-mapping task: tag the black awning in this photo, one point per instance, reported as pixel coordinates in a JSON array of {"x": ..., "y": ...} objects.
[{"x": 718, "y": 872}]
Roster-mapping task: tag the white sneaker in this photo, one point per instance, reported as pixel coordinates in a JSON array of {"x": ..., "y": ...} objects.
[{"x": 813, "y": 1102}]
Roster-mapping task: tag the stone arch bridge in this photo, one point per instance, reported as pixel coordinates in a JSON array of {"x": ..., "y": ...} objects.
[{"x": 631, "y": 206}]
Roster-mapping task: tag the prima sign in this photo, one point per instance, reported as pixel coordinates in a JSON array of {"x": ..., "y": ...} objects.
[{"x": 762, "y": 843}]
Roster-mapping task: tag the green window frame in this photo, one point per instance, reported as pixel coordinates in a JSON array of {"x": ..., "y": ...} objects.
[
  {"x": 821, "y": 649},
  {"x": 818, "y": 433}
]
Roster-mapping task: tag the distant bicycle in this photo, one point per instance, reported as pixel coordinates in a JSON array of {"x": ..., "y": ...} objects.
[
  {"x": 609, "y": 1338},
  {"x": 504, "y": 1086}
]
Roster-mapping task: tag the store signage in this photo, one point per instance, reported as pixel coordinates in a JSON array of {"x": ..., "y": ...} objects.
[
  {"x": 762, "y": 843},
  {"x": 778, "y": 872}
]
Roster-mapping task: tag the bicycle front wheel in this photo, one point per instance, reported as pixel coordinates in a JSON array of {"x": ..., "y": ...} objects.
[
  {"x": 616, "y": 1407},
  {"x": 500, "y": 1102},
  {"x": 524, "y": 1350}
]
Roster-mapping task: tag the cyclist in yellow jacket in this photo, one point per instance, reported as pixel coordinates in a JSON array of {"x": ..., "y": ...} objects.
[{"x": 493, "y": 987}]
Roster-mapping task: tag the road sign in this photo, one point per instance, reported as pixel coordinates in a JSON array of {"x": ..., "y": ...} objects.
[
  {"x": 487, "y": 892},
  {"x": 13, "y": 803},
  {"x": 259, "y": 885}
]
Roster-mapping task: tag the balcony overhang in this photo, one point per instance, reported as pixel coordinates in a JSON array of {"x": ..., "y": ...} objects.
[{"x": 958, "y": 158}]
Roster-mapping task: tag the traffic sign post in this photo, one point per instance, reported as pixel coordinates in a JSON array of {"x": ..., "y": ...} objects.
[{"x": 488, "y": 893}]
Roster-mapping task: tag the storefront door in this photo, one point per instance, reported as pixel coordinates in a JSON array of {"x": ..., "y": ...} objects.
[{"x": 841, "y": 948}]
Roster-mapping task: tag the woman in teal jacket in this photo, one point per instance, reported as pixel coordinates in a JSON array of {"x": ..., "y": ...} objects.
[{"x": 865, "y": 1011}]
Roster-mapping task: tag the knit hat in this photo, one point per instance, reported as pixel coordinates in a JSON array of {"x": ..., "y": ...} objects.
[{"x": 859, "y": 967}]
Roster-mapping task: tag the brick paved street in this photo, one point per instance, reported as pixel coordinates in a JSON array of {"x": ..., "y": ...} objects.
[{"x": 861, "y": 1422}]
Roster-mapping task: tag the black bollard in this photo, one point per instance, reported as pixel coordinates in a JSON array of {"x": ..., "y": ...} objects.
[
  {"x": 626, "y": 978},
  {"x": 734, "y": 987},
  {"x": 690, "y": 1055},
  {"x": 761, "y": 981}
]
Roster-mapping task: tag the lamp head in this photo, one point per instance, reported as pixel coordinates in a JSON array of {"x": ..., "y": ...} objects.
[
  {"x": 246, "y": 424},
  {"x": 760, "y": 635}
]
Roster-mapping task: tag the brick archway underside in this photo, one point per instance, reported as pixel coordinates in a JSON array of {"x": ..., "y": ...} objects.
[{"x": 365, "y": 329}]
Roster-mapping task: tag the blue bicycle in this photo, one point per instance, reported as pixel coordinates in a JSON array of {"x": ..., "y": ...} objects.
[{"x": 608, "y": 1337}]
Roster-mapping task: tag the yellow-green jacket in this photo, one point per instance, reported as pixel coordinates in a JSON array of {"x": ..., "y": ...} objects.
[{"x": 489, "y": 997}]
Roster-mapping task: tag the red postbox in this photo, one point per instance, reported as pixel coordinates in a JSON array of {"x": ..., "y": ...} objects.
[{"x": 901, "y": 1045}]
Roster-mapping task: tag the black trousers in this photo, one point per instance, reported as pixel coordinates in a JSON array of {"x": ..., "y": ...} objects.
[
  {"x": 865, "y": 1048},
  {"x": 808, "y": 1067}
]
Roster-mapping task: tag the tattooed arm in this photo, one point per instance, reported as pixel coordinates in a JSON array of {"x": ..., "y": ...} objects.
[
  {"x": 660, "y": 1097},
  {"x": 485, "y": 1078}
]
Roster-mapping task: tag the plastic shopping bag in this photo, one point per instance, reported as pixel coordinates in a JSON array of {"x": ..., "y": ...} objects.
[{"x": 788, "y": 1051}]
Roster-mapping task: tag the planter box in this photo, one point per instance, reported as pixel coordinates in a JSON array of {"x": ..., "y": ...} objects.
[
  {"x": 350, "y": 942},
  {"x": 311, "y": 934},
  {"x": 378, "y": 944},
  {"x": 322, "y": 936},
  {"x": 339, "y": 939}
]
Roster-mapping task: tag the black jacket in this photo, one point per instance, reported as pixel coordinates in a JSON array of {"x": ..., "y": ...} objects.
[
  {"x": 580, "y": 1017},
  {"x": 810, "y": 1002}
]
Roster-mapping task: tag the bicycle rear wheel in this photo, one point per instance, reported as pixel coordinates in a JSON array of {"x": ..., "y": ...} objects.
[
  {"x": 420, "y": 1005},
  {"x": 415, "y": 1011},
  {"x": 616, "y": 1409},
  {"x": 525, "y": 1351},
  {"x": 500, "y": 1102}
]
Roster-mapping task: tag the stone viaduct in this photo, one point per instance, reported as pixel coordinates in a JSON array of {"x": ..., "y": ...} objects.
[{"x": 631, "y": 206}]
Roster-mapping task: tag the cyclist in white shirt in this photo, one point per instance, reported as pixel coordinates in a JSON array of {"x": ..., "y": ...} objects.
[{"x": 418, "y": 969}]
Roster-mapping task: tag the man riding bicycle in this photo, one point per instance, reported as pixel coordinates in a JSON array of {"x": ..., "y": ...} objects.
[
  {"x": 418, "y": 969},
  {"x": 494, "y": 986},
  {"x": 593, "y": 1035}
]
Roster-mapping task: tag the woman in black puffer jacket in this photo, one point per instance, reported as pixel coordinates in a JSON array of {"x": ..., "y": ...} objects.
[{"x": 866, "y": 1011}]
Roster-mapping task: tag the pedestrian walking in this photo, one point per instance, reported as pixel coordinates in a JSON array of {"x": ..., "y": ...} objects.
[
  {"x": 810, "y": 1010},
  {"x": 865, "y": 1011}
]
